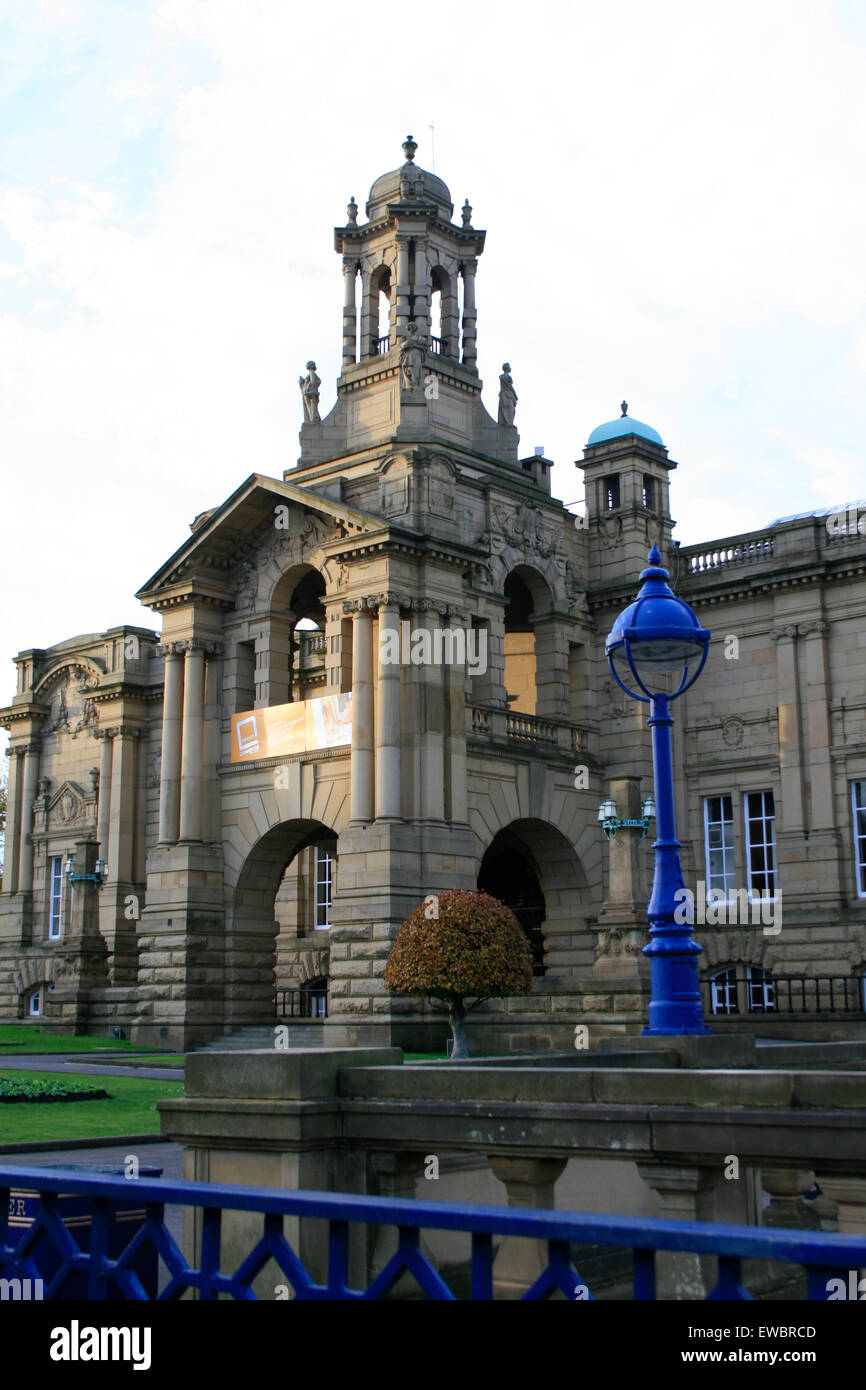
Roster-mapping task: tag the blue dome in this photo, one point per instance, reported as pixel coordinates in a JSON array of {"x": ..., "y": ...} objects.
[{"x": 617, "y": 429}]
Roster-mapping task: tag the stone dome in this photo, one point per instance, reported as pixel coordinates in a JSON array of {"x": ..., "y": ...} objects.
[
  {"x": 625, "y": 424},
  {"x": 411, "y": 184}
]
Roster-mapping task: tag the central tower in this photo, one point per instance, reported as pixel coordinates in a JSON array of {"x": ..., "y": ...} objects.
[{"x": 410, "y": 369}]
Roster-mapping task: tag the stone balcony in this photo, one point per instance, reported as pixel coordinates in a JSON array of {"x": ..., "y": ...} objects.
[{"x": 531, "y": 732}]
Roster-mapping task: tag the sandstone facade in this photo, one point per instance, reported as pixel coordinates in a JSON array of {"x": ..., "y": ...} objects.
[{"x": 412, "y": 511}]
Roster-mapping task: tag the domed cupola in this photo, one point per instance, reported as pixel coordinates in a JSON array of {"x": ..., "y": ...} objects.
[
  {"x": 409, "y": 185},
  {"x": 625, "y": 424}
]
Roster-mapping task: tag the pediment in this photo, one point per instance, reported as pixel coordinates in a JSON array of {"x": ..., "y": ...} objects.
[
  {"x": 68, "y": 805},
  {"x": 230, "y": 534}
]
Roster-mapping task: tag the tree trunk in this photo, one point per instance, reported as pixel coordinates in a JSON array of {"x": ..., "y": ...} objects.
[{"x": 457, "y": 1017}]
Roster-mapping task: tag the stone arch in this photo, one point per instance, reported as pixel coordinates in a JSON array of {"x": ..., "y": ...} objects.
[
  {"x": 567, "y": 937},
  {"x": 33, "y": 972},
  {"x": 251, "y": 926},
  {"x": 90, "y": 669}
]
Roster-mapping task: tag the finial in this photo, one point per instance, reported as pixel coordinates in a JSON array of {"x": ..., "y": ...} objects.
[
  {"x": 654, "y": 556},
  {"x": 623, "y": 405},
  {"x": 352, "y": 210},
  {"x": 467, "y": 213},
  {"x": 409, "y": 148}
]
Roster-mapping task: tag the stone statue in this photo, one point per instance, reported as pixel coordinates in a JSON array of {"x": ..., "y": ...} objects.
[
  {"x": 309, "y": 385},
  {"x": 412, "y": 351},
  {"x": 352, "y": 212},
  {"x": 467, "y": 213},
  {"x": 507, "y": 396}
]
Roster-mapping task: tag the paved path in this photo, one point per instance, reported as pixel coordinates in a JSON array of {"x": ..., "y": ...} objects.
[{"x": 85, "y": 1063}]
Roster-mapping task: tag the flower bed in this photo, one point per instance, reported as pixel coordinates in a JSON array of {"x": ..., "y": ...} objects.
[{"x": 19, "y": 1089}]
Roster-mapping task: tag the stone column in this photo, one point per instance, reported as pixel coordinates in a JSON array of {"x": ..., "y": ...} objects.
[
  {"x": 529, "y": 1182},
  {"x": 369, "y": 314},
  {"x": 388, "y": 730},
  {"x": 362, "y": 716},
  {"x": 104, "y": 804},
  {"x": 13, "y": 823},
  {"x": 350, "y": 322},
  {"x": 470, "y": 335},
  {"x": 120, "y": 932},
  {"x": 432, "y": 732},
  {"x": 849, "y": 1193},
  {"x": 421, "y": 290},
  {"x": 551, "y": 668},
  {"x": 818, "y": 715},
  {"x": 172, "y": 726},
  {"x": 28, "y": 799},
  {"x": 456, "y": 684},
  {"x": 193, "y": 727},
  {"x": 401, "y": 291},
  {"x": 685, "y": 1194},
  {"x": 451, "y": 319},
  {"x": 790, "y": 741},
  {"x": 118, "y": 849}
]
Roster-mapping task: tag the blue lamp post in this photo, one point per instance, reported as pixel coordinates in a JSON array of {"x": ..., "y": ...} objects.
[{"x": 656, "y": 650}]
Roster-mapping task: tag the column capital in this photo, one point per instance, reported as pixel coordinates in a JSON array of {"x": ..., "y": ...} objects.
[
  {"x": 813, "y": 628},
  {"x": 469, "y": 267},
  {"x": 390, "y": 598},
  {"x": 170, "y": 648},
  {"x": 430, "y": 605},
  {"x": 784, "y": 634},
  {"x": 121, "y": 731}
]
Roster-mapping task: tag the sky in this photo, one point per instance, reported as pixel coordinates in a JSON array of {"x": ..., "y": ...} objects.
[{"x": 674, "y": 200}]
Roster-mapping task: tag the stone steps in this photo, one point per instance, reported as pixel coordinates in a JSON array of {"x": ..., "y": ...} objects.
[{"x": 255, "y": 1038}]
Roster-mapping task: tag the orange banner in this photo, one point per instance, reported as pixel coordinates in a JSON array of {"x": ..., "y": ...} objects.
[{"x": 300, "y": 727}]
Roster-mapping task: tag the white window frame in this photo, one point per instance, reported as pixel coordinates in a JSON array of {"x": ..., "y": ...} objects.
[
  {"x": 771, "y": 844},
  {"x": 858, "y": 808},
  {"x": 764, "y": 985},
  {"x": 723, "y": 989},
  {"x": 323, "y": 887},
  {"x": 728, "y": 881},
  {"x": 35, "y": 997},
  {"x": 56, "y": 881}
]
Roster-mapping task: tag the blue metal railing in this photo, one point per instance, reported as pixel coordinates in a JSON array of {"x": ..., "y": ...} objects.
[{"x": 822, "y": 1256}]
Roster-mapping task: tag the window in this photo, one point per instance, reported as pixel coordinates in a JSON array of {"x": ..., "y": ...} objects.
[
  {"x": 35, "y": 1003},
  {"x": 719, "y": 843},
  {"x": 324, "y": 885},
  {"x": 723, "y": 991},
  {"x": 858, "y": 813},
  {"x": 761, "y": 844},
  {"x": 647, "y": 491},
  {"x": 759, "y": 986},
  {"x": 55, "y": 896},
  {"x": 611, "y": 492}
]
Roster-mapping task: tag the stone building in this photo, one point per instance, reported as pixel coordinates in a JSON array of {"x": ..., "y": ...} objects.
[{"x": 383, "y": 675}]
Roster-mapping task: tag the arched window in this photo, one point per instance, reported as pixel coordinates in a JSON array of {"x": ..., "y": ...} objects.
[
  {"x": 752, "y": 992},
  {"x": 36, "y": 1003}
]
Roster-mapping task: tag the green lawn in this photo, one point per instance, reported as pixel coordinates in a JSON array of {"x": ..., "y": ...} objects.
[
  {"x": 131, "y": 1109},
  {"x": 17, "y": 1039}
]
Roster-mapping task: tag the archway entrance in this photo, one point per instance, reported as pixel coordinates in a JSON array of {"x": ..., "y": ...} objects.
[
  {"x": 279, "y": 923},
  {"x": 533, "y": 868},
  {"x": 507, "y": 874}
]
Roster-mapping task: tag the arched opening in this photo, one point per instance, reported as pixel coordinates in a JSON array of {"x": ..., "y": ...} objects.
[
  {"x": 279, "y": 915},
  {"x": 296, "y": 659},
  {"x": 507, "y": 874},
  {"x": 436, "y": 309},
  {"x": 527, "y": 600},
  {"x": 380, "y": 309},
  {"x": 533, "y": 868}
]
